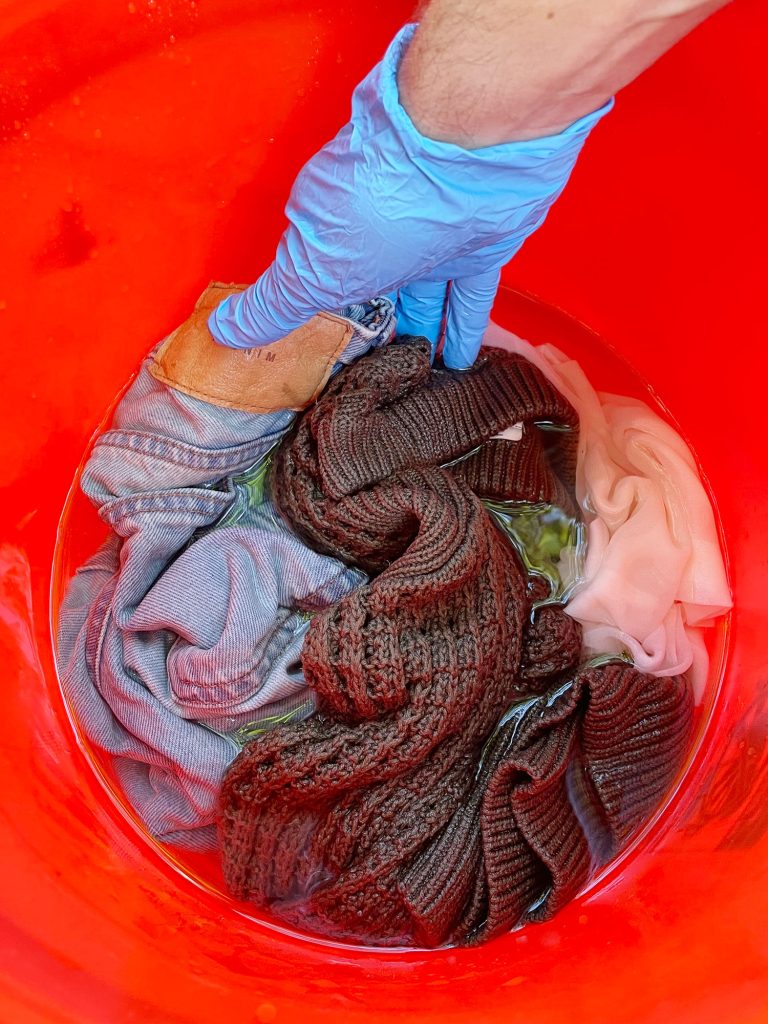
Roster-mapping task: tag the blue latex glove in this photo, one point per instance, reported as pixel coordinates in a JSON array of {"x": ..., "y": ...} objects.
[{"x": 381, "y": 209}]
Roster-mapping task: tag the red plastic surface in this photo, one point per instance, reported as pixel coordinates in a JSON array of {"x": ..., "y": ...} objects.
[{"x": 148, "y": 146}]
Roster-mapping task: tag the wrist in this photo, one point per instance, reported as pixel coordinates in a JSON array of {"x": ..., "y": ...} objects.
[
  {"x": 437, "y": 133},
  {"x": 516, "y": 70}
]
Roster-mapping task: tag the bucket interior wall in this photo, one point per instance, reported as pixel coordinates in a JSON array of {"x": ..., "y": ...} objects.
[{"x": 147, "y": 147}]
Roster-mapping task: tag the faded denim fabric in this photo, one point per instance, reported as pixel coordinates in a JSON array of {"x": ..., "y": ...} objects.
[{"x": 182, "y": 635}]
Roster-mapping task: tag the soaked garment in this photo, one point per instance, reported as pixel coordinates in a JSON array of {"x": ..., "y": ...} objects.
[
  {"x": 563, "y": 783},
  {"x": 411, "y": 675},
  {"x": 636, "y": 479},
  {"x": 398, "y": 413},
  {"x": 360, "y": 821},
  {"x": 184, "y": 632}
]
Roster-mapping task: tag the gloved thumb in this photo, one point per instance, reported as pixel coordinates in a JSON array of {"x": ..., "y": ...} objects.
[
  {"x": 469, "y": 309},
  {"x": 419, "y": 309}
]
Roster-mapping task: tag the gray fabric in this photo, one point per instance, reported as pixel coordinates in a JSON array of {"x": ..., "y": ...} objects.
[
  {"x": 183, "y": 634},
  {"x": 374, "y": 326}
]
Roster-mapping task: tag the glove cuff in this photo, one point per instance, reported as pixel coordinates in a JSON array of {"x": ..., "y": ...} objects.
[{"x": 384, "y": 79}]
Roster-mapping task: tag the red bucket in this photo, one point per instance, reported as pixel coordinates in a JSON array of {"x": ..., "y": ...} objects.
[{"x": 147, "y": 147}]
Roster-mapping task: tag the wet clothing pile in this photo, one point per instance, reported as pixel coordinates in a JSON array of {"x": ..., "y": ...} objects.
[
  {"x": 309, "y": 645},
  {"x": 403, "y": 811}
]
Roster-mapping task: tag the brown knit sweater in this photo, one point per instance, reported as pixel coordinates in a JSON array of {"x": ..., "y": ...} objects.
[
  {"x": 390, "y": 817},
  {"x": 390, "y": 412}
]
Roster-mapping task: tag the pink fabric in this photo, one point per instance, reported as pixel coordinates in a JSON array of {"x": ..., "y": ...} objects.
[{"x": 654, "y": 571}]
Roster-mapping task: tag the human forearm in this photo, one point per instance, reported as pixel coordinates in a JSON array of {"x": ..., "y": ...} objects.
[
  {"x": 391, "y": 204},
  {"x": 481, "y": 72}
]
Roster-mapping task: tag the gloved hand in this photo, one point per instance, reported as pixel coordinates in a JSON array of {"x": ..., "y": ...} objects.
[{"x": 383, "y": 209}]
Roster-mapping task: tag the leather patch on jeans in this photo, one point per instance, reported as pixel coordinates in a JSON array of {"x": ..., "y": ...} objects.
[{"x": 288, "y": 374}]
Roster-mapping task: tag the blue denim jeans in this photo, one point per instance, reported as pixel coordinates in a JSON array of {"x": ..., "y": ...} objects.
[{"x": 182, "y": 635}]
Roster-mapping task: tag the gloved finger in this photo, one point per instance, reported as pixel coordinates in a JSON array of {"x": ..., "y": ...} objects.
[
  {"x": 251, "y": 319},
  {"x": 420, "y": 308},
  {"x": 282, "y": 299},
  {"x": 469, "y": 309}
]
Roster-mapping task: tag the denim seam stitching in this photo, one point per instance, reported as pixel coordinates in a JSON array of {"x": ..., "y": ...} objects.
[{"x": 166, "y": 449}]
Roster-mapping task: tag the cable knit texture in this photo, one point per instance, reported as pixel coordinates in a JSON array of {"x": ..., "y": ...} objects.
[
  {"x": 412, "y": 808},
  {"x": 391, "y": 412}
]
